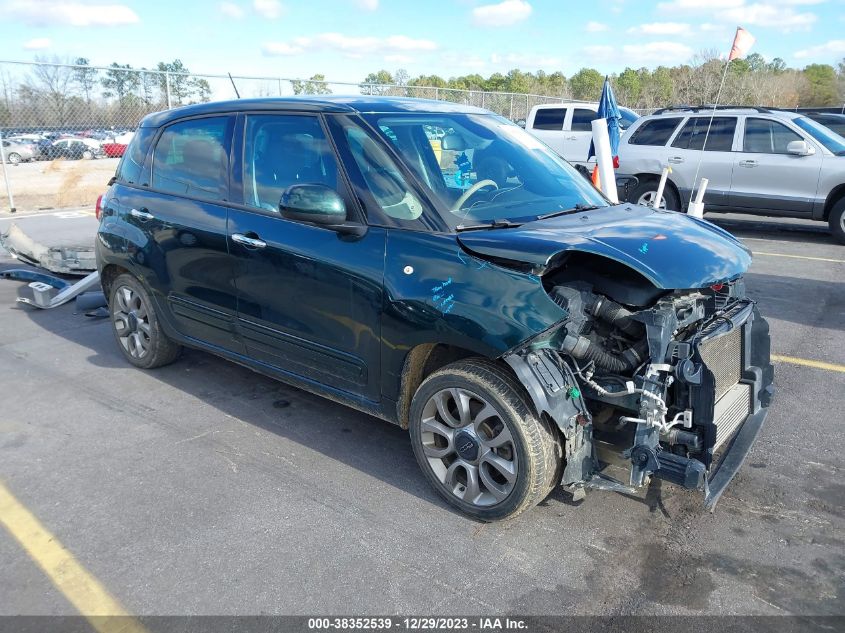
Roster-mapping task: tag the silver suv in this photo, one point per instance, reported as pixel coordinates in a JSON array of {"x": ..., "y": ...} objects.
[{"x": 760, "y": 161}]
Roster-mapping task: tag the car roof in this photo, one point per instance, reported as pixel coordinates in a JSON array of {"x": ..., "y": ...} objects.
[
  {"x": 706, "y": 111},
  {"x": 323, "y": 103}
]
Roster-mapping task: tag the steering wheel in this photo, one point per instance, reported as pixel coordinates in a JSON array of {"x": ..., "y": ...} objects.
[{"x": 469, "y": 193}]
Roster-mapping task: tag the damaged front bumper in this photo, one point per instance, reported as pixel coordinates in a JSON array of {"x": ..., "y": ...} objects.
[{"x": 716, "y": 385}]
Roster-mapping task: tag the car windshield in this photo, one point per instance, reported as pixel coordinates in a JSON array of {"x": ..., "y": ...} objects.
[
  {"x": 478, "y": 168},
  {"x": 831, "y": 140},
  {"x": 628, "y": 117}
]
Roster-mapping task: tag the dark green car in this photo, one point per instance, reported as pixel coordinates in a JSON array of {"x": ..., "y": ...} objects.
[{"x": 436, "y": 266}]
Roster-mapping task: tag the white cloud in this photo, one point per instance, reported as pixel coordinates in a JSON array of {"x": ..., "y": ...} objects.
[
  {"x": 662, "y": 53},
  {"x": 367, "y": 5},
  {"x": 270, "y": 9},
  {"x": 595, "y": 27},
  {"x": 351, "y": 46},
  {"x": 833, "y": 48},
  {"x": 37, "y": 44},
  {"x": 502, "y": 14},
  {"x": 769, "y": 15},
  {"x": 699, "y": 5},
  {"x": 661, "y": 28},
  {"x": 231, "y": 10},
  {"x": 56, "y": 12}
]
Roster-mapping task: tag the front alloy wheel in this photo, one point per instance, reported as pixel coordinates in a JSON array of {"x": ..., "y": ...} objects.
[{"x": 479, "y": 442}]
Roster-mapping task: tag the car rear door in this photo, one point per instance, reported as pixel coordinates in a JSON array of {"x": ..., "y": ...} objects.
[
  {"x": 578, "y": 132},
  {"x": 766, "y": 178},
  {"x": 176, "y": 224},
  {"x": 548, "y": 127},
  {"x": 690, "y": 164},
  {"x": 309, "y": 297}
]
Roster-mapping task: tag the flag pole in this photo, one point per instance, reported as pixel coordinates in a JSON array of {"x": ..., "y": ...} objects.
[{"x": 707, "y": 133}]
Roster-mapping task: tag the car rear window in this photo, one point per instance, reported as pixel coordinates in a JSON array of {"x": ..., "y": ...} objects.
[
  {"x": 129, "y": 169},
  {"x": 549, "y": 119},
  {"x": 719, "y": 139},
  {"x": 654, "y": 132},
  {"x": 582, "y": 120},
  {"x": 190, "y": 158}
]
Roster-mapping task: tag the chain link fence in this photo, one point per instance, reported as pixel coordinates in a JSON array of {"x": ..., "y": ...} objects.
[{"x": 65, "y": 126}]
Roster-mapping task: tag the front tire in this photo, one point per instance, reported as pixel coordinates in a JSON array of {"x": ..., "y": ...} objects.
[
  {"x": 88, "y": 154},
  {"x": 837, "y": 221},
  {"x": 479, "y": 443},
  {"x": 136, "y": 327},
  {"x": 14, "y": 158},
  {"x": 645, "y": 192}
]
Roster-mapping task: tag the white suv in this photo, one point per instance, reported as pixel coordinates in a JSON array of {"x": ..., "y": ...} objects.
[
  {"x": 567, "y": 127},
  {"x": 759, "y": 161}
]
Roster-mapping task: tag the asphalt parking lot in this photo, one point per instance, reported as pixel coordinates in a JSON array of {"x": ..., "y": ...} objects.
[{"x": 204, "y": 488}]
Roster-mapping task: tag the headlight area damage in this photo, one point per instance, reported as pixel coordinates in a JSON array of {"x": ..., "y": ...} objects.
[{"x": 673, "y": 384}]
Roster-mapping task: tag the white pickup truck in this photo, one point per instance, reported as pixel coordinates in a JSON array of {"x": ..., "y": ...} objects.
[{"x": 567, "y": 127}]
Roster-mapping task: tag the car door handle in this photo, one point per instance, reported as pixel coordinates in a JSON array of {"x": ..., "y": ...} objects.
[
  {"x": 571, "y": 138},
  {"x": 748, "y": 163},
  {"x": 676, "y": 160},
  {"x": 141, "y": 214},
  {"x": 251, "y": 242}
]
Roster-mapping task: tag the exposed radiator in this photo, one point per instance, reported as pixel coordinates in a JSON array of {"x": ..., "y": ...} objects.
[
  {"x": 723, "y": 356},
  {"x": 730, "y": 412}
]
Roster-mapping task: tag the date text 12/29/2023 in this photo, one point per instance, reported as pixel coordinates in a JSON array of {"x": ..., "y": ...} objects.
[{"x": 416, "y": 624}]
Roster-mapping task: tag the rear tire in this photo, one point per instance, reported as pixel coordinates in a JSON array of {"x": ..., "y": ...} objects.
[
  {"x": 645, "y": 192},
  {"x": 136, "y": 327},
  {"x": 479, "y": 442},
  {"x": 14, "y": 158},
  {"x": 88, "y": 154},
  {"x": 837, "y": 221}
]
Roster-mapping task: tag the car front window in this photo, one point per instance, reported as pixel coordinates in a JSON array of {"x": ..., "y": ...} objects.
[
  {"x": 484, "y": 168},
  {"x": 832, "y": 141}
]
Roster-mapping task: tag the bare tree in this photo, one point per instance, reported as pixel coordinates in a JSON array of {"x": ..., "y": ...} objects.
[{"x": 51, "y": 79}]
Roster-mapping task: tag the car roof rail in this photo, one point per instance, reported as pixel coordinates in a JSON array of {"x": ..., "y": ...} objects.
[{"x": 707, "y": 108}]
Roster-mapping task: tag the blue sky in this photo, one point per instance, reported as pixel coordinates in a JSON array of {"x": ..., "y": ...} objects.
[{"x": 346, "y": 39}]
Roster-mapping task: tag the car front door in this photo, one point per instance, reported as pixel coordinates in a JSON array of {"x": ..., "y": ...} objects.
[
  {"x": 716, "y": 162},
  {"x": 578, "y": 132},
  {"x": 309, "y": 297},
  {"x": 766, "y": 177},
  {"x": 177, "y": 223}
]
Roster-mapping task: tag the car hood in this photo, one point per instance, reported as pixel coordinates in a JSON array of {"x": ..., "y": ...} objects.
[{"x": 672, "y": 250}]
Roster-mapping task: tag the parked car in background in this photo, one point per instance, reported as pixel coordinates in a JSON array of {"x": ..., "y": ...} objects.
[
  {"x": 759, "y": 161},
  {"x": 835, "y": 122},
  {"x": 526, "y": 332},
  {"x": 74, "y": 149},
  {"x": 113, "y": 150},
  {"x": 567, "y": 127},
  {"x": 16, "y": 153}
]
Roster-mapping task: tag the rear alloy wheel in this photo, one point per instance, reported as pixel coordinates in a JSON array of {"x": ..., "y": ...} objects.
[
  {"x": 645, "y": 192},
  {"x": 14, "y": 158},
  {"x": 136, "y": 327},
  {"x": 479, "y": 443},
  {"x": 837, "y": 221},
  {"x": 87, "y": 154}
]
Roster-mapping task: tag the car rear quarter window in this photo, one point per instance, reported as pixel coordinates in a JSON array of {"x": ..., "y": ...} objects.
[
  {"x": 582, "y": 120},
  {"x": 719, "y": 139},
  {"x": 132, "y": 164},
  {"x": 764, "y": 136},
  {"x": 190, "y": 158},
  {"x": 549, "y": 119},
  {"x": 655, "y": 131}
]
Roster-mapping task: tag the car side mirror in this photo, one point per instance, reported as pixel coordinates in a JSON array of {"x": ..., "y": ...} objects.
[
  {"x": 800, "y": 148},
  {"x": 317, "y": 204}
]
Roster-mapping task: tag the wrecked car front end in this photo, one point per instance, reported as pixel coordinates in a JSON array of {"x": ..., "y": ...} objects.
[{"x": 655, "y": 371}]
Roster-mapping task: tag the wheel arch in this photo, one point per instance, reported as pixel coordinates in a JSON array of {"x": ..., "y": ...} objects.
[
  {"x": 108, "y": 274},
  {"x": 836, "y": 194},
  {"x": 648, "y": 176}
]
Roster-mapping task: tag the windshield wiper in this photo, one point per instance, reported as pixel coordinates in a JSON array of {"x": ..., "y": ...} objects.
[
  {"x": 578, "y": 207},
  {"x": 493, "y": 224}
]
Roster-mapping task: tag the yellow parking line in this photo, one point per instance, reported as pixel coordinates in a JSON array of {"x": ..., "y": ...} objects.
[
  {"x": 81, "y": 589},
  {"x": 818, "y": 364},
  {"x": 817, "y": 259}
]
